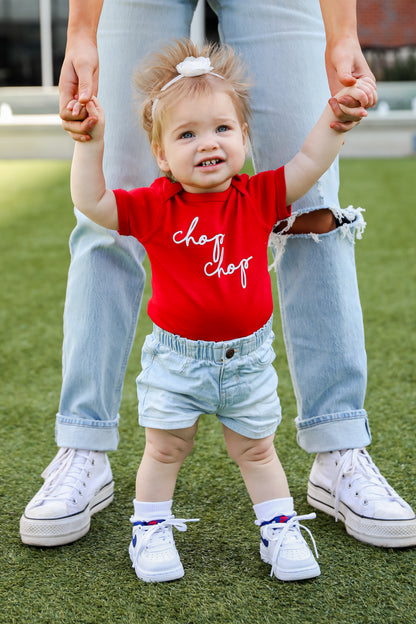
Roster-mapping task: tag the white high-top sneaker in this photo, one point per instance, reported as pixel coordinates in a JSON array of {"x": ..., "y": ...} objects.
[
  {"x": 284, "y": 548},
  {"x": 153, "y": 551},
  {"x": 348, "y": 485},
  {"x": 77, "y": 484}
]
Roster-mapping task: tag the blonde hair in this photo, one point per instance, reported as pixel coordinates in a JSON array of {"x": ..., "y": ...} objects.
[{"x": 160, "y": 67}]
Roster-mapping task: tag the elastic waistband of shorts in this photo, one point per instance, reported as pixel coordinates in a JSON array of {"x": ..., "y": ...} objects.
[{"x": 215, "y": 351}]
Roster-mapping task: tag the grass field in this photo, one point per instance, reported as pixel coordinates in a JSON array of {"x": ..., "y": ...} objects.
[{"x": 91, "y": 581}]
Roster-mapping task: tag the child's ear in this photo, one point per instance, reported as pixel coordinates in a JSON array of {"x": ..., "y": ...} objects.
[
  {"x": 244, "y": 130},
  {"x": 159, "y": 154}
]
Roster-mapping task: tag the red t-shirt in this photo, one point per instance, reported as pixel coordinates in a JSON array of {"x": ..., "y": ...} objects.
[{"x": 208, "y": 252}]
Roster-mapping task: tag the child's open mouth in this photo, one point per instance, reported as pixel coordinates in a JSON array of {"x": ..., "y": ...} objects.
[{"x": 209, "y": 163}]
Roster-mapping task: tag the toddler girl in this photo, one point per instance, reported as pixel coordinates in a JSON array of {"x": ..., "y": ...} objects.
[{"x": 206, "y": 230}]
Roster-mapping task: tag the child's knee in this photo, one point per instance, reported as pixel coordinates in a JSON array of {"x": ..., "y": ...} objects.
[
  {"x": 169, "y": 447},
  {"x": 247, "y": 450}
]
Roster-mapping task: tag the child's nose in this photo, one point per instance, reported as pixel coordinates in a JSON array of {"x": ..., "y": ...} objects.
[{"x": 208, "y": 142}]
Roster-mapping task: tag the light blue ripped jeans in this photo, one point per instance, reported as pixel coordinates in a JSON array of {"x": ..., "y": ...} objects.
[{"x": 282, "y": 42}]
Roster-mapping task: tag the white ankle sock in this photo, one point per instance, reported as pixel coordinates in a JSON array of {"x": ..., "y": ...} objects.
[
  {"x": 146, "y": 511},
  {"x": 270, "y": 509}
]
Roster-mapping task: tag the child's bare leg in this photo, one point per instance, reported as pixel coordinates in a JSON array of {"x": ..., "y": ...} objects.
[
  {"x": 164, "y": 454},
  {"x": 260, "y": 467},
  {"x": 152, "y": 548},
  {"x": 282, "y": 545}
]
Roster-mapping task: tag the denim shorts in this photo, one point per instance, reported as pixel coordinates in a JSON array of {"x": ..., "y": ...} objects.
[{"x": 182, "y": 379}]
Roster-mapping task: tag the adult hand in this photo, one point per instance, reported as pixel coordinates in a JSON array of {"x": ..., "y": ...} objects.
[
  {"x": 350, "y": 104},
  {"x": 345, "y": 64},
  {"x": 78, "y": 83}
]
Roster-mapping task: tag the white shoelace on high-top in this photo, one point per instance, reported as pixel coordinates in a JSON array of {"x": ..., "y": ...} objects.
[
  {"x": 64, "y": 476},
  {"x": 278, "y": 532},
  {"x": 366, "y": 478}
]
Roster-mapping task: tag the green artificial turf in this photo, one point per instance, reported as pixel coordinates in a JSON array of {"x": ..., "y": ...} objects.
[{"x": 91, "y": 581}]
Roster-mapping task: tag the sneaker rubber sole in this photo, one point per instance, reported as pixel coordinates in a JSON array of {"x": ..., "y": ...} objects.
[
  {"x": 59, "y": 531},
  {"x": 393, "y": 533}
]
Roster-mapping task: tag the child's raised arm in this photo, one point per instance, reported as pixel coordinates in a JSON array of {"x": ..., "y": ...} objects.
[
  {"x": 88, "y": 188},
  {"x": 324, "y": 142}
]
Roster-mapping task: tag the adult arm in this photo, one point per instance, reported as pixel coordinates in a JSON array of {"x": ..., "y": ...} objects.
[
  {"x": 79, "y": 74},
  {"x": 344, "y": 60}
]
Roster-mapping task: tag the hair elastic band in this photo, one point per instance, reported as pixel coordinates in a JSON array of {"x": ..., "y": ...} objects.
[{"x": 188, "y": 68}]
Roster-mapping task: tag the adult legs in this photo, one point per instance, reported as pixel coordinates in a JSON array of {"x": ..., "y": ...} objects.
[
  {"x": 105, "y": 287},
  {"x": 106, "y": 277},
  {"x": 282, "y": 41}
]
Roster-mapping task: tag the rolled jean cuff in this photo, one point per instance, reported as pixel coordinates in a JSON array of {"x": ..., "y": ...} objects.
[
  {"x": 92, "y": 435},
  {"x": 334, "y": 432}
]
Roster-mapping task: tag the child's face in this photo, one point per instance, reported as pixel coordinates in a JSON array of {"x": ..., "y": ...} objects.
[{"x": 203, "y": 143}]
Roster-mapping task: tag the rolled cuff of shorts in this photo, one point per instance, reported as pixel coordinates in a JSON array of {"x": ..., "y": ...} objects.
[
  {"x": 334, "y": 432},
  {"x": 92, "y": 435}
]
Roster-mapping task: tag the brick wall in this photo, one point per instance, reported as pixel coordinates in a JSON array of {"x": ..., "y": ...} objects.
[{"x": 386, "y": 23}]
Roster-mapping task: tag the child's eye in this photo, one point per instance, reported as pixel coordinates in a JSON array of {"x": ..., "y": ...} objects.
[
  {"x": 223, "y": 128},
  {"x": 186, "y": 135}
]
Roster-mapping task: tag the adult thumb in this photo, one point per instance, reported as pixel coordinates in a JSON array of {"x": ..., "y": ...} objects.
[
  {"x": 85, "y": 85},
  {"x": 345, "y": 77}
]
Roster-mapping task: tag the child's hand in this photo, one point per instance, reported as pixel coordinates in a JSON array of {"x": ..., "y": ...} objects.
[
  {"x": 349, "y": 105},
  {"x": 91, "y": 124}
]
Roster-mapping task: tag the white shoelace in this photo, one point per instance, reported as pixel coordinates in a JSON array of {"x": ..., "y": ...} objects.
[
  {"x": 276, "y": 534},
  {"x": 365, "y": 478},
  {"x": 160, "y": 533},
  {"x": 64, "y": 475}
]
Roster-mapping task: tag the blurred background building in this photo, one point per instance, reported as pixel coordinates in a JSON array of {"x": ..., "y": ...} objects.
[{"x": 33, "y": 36}]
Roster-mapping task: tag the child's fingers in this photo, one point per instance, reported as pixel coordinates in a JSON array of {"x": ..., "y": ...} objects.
[
  {"x": 81, "y": 138},
  {"x": 352, "y": 113},
  {"x": 91, "y": 108},
  {"x": 369, "y": 80},
  {"x": 346, "y": 118},
  {"x": 79, "y": 111},
  {"x": 368, "y": 86},
  {"x": 348, "y": 100},
  {"x": 348, "y": 110},
  {"x": 79, "y": 130},
  {"x": 94, "y": 109},
  {"x": 339, "y": 126},
  {"x": 74, "y": 111},
  {"x": 360, "y": 94},
  {"x": 363, "y": 94}
]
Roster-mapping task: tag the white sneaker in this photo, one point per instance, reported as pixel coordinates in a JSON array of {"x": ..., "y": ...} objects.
[
  {"x": 152, "y": 549},
  {"x": 284, "y": 548},
  {"x": 77, "y": 485},
  {"x": 348, "y": 486}
]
